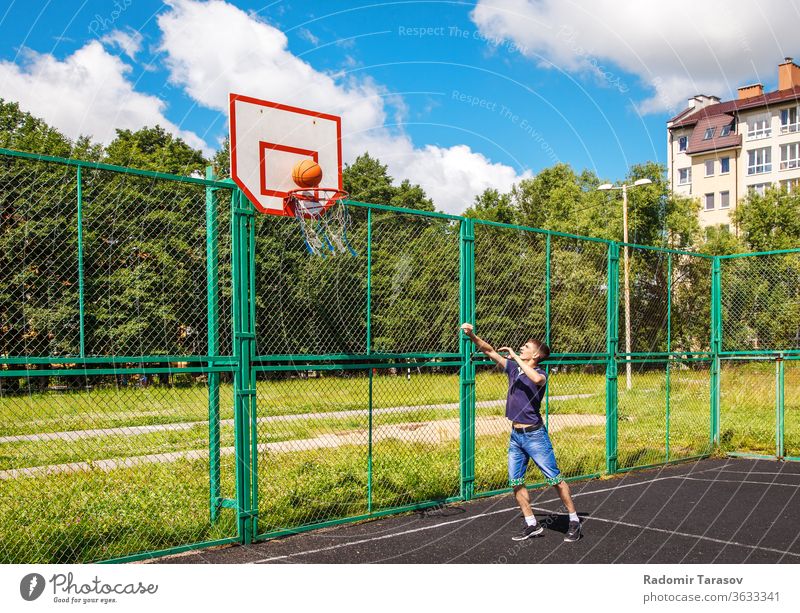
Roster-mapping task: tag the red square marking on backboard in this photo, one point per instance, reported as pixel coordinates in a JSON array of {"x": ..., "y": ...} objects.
[{"x": 263, "y": 147}]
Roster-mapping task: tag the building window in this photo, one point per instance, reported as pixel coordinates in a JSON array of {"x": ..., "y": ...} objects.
[
  {"x": 790, "y": 156},
  {"x": 758, "y": 127},
  {"x": 759, "y": 188},
  {"x": 724, "y": 200},
  {"x": 709, "y": 202},
  {"x": 725, "y": 131},
  {"x": 790, "y": 185},
  {"x": 709, "y": 168},
  {"x": 684, "y": 176},
  {"x": 683, "y": 142},
  {"x": 789, "y": 120},
  {"x": 724, "y": 166},
  {"x": 709, "y": 134},
  {"x": 759, "y": 161}
]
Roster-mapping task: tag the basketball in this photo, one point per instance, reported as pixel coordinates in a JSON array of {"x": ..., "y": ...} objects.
[{"x": 307, "y": 173}]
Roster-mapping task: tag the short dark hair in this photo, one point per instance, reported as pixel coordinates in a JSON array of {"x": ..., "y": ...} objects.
[{"x": 541, "y": 348}]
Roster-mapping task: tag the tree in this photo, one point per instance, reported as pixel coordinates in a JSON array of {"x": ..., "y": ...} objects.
[
  {"x": 770, "y": 221},
  {"x": 367, "y": 180},
  {"x": 155, "y": 149},
  {"x": 491, "y": 205},
  {"x": 24, "y": 132}
]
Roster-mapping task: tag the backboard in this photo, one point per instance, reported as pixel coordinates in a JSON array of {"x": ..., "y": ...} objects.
[{"x": 268, "y": 139}]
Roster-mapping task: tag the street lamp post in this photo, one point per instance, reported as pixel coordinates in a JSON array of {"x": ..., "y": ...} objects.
[{"x": 624, "y": 188}]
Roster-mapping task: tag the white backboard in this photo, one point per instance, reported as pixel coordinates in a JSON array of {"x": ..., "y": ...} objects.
[{"x": 268, "y": 139}]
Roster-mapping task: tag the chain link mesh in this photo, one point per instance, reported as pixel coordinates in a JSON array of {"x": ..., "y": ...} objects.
[
  {"x": 691, "y": 304},
  {"x": 103, "y": 460},
  {"x": 761, "y": 302},
  {"x": 747, "y": 406},
  {"x": 309, "y": 305},
  {"x": 415, "y": 266},
  {"x": 510, "y": 284},
  {"x": 98, "y": 465},
  {"x": 649, "y": 300},
  {"x": 578, "y": 295},
  {"x": 665, "y": 416},
  {"x": 323, "y": 454},
  {"x": 791, "y": 419},
  {"x": 145, "y": 266},
  {"x": 107, "y": 467},
  {"x": 39, "y": 306}
]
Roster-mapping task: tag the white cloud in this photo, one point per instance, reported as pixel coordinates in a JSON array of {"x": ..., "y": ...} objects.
[
  {"x": 87, "y": 93},
  {"x": 128, "y": 41},
  {"x": 308, "y": 35},
  {"x": 676, "y": 49},
  {"x": 213, "y": 48}
]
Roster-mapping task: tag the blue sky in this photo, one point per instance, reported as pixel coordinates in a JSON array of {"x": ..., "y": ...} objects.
[{"x": 455, "y": 96}]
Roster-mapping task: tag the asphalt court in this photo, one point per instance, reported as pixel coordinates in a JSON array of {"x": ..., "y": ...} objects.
[{"x": 718, "y": 510}]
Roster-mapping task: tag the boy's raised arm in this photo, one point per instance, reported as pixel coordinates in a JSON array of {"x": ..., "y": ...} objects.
[{"x": 482, "y": 345}]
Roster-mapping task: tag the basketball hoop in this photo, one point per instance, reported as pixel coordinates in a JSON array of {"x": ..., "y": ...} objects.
[{"x": 323, "y": 219}]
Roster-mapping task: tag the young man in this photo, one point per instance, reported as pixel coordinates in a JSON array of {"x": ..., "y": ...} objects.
[{"x": 529, "y": 439}]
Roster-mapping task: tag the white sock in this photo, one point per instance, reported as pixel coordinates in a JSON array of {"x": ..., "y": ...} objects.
[
  {"x": 530, "y": 520},
  {"x": 574, "y": 517}
]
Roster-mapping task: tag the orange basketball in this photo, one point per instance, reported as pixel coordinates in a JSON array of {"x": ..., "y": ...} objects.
[{"x": 307, "y": 173}]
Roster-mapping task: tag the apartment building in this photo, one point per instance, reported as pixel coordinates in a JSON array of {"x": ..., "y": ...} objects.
[{"x": 717, "y": 151}]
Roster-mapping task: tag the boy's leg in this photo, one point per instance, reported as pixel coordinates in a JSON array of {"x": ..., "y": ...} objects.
[
  {"x": 562, "y": 487},
  {"x": 517, "y": 465},
  {"x": 540, "y": 449},
  {"x": 523, "y": 500}
]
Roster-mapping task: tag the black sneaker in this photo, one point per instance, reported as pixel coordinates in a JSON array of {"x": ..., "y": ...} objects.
[
  {"x": 528, "y": 531},
  {"x": 574, "y": 532}
]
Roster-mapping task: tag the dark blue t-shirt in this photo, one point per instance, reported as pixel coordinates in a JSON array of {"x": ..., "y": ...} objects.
[{"x": 524, "y": 401}]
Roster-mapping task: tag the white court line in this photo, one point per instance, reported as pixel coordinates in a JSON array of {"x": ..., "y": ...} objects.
[
  {"x": 385, "y": 536},
  {"x": 749, "y": 472},
  {"x": 619, "y": 487},
  {"x": 454, "y": 521},
  {"x": 770, "y": 483},
  {"x": 686, "y": 534}
]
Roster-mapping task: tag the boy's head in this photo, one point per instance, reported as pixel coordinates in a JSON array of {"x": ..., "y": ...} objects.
[{"x": 534, "y": 349}]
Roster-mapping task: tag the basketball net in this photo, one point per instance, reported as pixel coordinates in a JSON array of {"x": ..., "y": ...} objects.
[{"x": 323, "y": 219}]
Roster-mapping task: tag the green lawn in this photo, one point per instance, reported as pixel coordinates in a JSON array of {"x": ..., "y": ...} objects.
[{"x": 93, "y": 514}]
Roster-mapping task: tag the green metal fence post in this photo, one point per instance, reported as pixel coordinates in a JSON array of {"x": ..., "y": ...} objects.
[
  {"x": 612, "y": 340},
  {"x": 244, "y": 386},
  {"x": 212, "y": 291},
  {"x": 669, "y": 350},
  {"x": 467, "y": 373},
  {"x": 779, "y": 407},
  {"x": 369, "y": 351},
  {"x": 547, "y": 274},
  {"x": 81, "y": 309},
  {"x": 251, "y": 397},
  {"x": 716, "y": 347}
]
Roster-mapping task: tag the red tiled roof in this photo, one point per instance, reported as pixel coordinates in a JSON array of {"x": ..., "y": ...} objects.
[
  {"x": 783, "y": 95},
  {"x": 696, "y": 142}
]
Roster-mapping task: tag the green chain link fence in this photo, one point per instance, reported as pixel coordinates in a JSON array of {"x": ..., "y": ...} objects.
[{"x": 177, "y": 372}]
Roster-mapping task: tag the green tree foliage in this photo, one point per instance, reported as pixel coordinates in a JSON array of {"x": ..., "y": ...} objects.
[
  {"x": 367, "y": 180},
  {"x": 491, "y": 205},
  {"x": 771, "y": 221},
  {"x": 155, "y": 149},
  {"x": 719, "y": 240},
  {"x": 38, "y": 239}
]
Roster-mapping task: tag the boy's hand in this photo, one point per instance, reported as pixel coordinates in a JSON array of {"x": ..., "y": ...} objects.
[
  {"x": 467, "y": 328},
  {"x": 511, "y": 353}
]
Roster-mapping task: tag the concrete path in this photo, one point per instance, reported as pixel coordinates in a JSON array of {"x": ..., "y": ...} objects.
[
  {"x": 74, "y": 435},
  {"x": 431, "y": 432}
]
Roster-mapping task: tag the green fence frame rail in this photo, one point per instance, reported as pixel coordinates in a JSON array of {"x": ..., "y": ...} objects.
[{"x": 243, "y": 363}]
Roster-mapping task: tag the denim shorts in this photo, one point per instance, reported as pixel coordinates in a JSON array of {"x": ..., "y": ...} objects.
[{"x": 535, "y": 446}]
